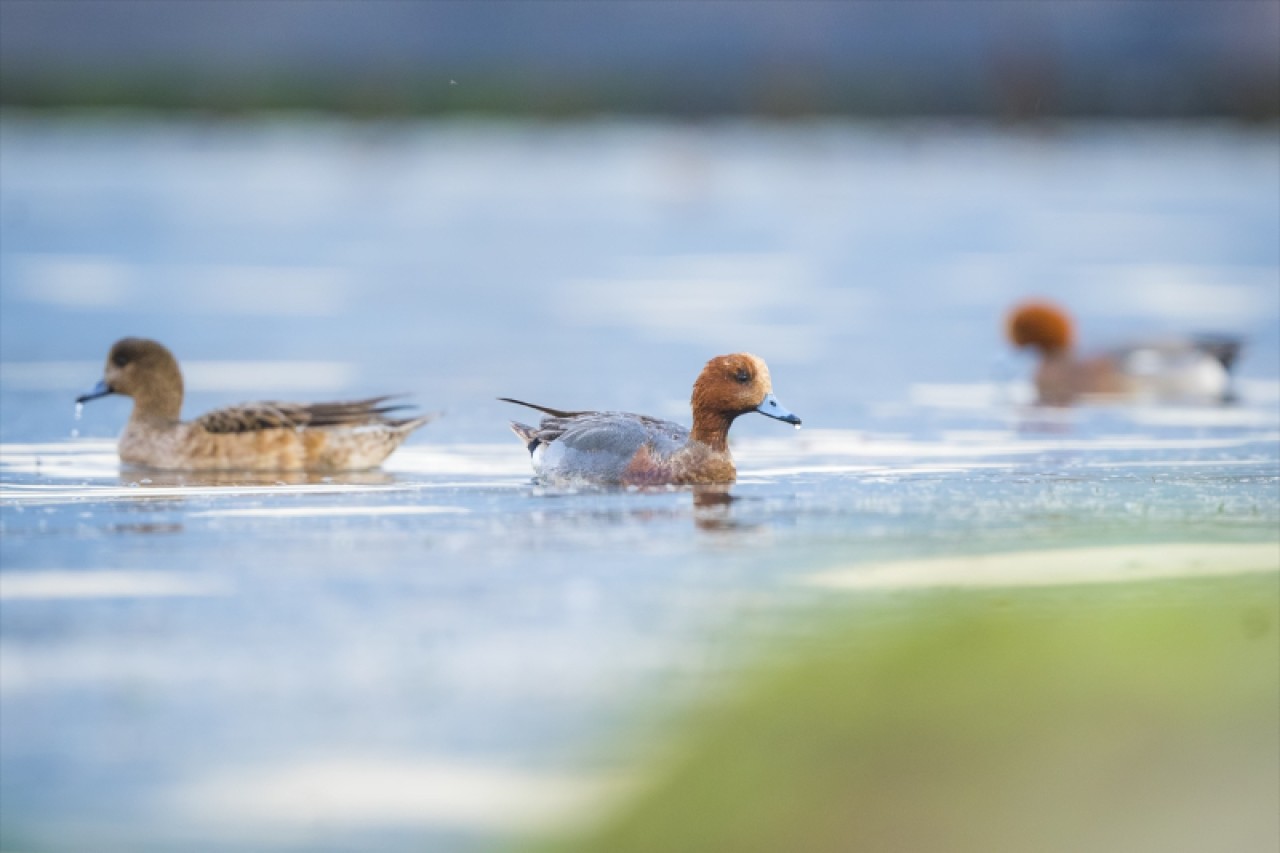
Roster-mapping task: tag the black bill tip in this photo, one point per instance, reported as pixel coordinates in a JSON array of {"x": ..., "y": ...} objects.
[{"x": 102, "y": 389}]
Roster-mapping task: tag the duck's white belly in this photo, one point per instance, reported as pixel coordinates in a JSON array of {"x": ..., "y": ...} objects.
[{"x": 1178, "y": 375}]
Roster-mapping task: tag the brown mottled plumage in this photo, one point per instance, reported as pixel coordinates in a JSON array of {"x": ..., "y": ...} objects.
[
  {"x": 248, "y": 417},
  {"x": 619, "y": 448},
  {"x": 268, "y": 436}
]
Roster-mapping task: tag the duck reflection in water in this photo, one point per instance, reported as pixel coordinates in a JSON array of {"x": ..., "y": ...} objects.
[
  {"x": 713, "y": 510},
  {"x": 148, "y": 478}
]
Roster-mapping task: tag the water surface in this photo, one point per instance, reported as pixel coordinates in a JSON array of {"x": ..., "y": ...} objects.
[{"x": 442, "y": 653}]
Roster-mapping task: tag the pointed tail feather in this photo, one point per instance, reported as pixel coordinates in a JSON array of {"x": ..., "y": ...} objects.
[
  {"x": 1225, "y": 349},
  {"x": 408, "y": 425},
  {"x": 555, "y": 413},
  {"x": 527, "y": 434}
]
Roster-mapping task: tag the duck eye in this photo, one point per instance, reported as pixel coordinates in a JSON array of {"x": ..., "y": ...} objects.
[
  {"x": 119, "y": 359},
  {"x": 743, "y": 376}
]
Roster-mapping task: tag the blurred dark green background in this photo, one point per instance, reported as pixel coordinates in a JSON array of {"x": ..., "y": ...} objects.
[{"x": 1002, "y": 59}]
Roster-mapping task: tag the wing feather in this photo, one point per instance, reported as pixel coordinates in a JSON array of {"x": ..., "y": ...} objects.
[
  {"x": 611, "y": 432},
  {"x": 252, "y": 417}
]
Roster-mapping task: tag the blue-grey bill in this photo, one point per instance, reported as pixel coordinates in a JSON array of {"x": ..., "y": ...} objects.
[{"x": 771, "y": 407}]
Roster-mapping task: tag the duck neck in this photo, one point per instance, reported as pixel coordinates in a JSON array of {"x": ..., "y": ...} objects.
[
  {"x": 1048, "y": 353},
  {"x": 159, "y": 401},
  {"x": 712, "y": 429}
]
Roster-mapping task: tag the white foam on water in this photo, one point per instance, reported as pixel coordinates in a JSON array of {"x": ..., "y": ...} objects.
[
  {"x": 38, "y": 493},
  {"x": 321, "y": 511},
  {"x": 972, "y": 395},
  {"x": 505, "y": 459},
  {"x": 347, "y": 792},
  {"x": 1057, "y": 567},
  {"x": 47, "y": 584}
]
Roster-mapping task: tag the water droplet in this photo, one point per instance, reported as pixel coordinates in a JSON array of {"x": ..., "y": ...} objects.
[
  {"x": 75, "y": 433},
  {"x": 79, "y": 410},
  {"x": 797, "y": 426}
]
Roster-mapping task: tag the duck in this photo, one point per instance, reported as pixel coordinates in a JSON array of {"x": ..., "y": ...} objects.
[
  {"x": 625, "y": 449},
  {"x": 266, "y": 436},
  {"x": 1194, "y": 369}
]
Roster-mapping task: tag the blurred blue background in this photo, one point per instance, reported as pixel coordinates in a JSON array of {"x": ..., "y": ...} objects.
[
  {"x": 600, "y": 263},
  {"x": 550, "y": 200}
]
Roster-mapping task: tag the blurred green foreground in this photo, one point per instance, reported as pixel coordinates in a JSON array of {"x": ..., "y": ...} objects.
[{"x": 1135, "y": 717}]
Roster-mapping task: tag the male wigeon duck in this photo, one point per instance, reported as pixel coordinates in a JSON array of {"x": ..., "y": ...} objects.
[
  {"x": 267, "y": 436},
  {"x": 1193, "y": 369},
  {"x": 617, "y": 448}
]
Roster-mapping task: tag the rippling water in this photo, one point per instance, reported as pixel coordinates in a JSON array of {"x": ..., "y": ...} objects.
[{"x": 442, "y": 652}]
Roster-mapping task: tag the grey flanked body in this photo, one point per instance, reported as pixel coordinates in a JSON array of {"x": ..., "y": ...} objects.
[
  {"x": 1179, "y": 369},
  {"x": 624, "y": 449},
  {"x": 600, "y": 446}
]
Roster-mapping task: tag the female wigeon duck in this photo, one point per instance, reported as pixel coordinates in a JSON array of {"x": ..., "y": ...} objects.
[
  {"x": 617, "y": 448},
  {"x": 1191, "y": 369},
  {"x": 266, "y": 436}
]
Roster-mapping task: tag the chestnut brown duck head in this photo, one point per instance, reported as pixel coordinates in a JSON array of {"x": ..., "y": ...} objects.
[{"x": 1041, "y": 326}]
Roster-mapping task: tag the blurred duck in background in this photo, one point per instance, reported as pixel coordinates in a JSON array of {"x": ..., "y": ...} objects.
[
  {"x": 267, "y": 436},
  {"x": 1194, "y": 369}
]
